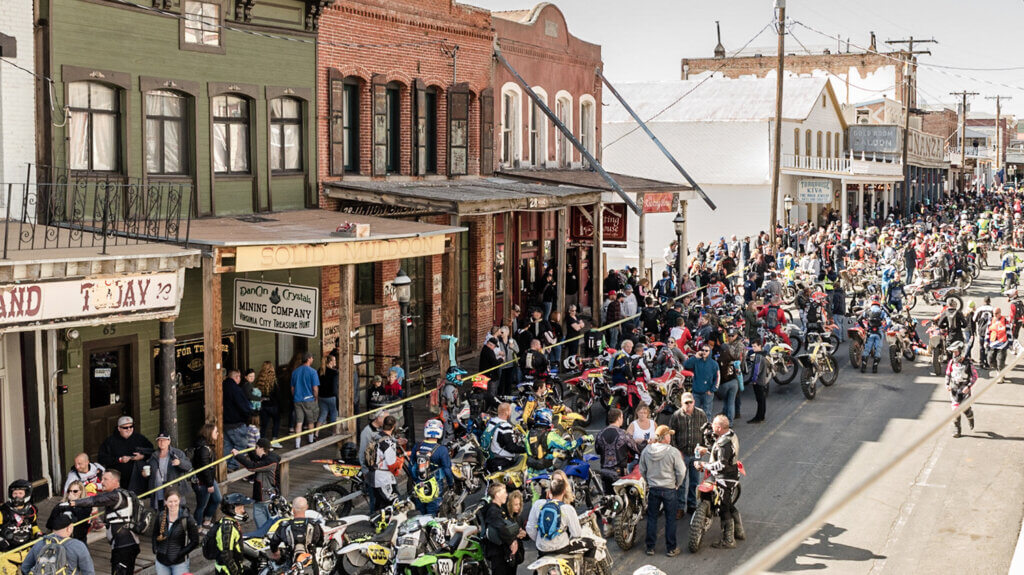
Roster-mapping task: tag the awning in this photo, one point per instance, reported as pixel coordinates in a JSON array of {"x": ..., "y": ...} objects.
[
  {"x": 592, "y": 180},
  {"x": 307, "y": 238},
  {"x": 464, "y": 197}
]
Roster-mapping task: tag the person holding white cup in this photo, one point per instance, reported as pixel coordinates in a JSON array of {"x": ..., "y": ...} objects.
[{"x": 165, "y": 465}]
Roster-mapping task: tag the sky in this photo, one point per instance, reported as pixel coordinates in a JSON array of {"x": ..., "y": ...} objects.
[{"x": 645, "y": 39}]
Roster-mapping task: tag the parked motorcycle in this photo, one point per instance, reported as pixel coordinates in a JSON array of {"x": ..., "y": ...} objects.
[
  {"x": 817, "y": 365},
  {"x": 900, "y": 344},
  {"x": 710, "y": 492},
  {"x": 947, "y": 296},
  {"x": 347, "y": 486},
  {"x": 448, "y": 546},
  {"x": 577, "y": 563},
  {"x": 632, "y": 493},
  {"x": 858, "y": 337},
  {"x": 374, "y": 554}
]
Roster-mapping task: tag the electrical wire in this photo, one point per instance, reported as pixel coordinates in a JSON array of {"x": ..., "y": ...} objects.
[
  {"x": 50, "y": 88},
  {"x": 691, "y": 90}
]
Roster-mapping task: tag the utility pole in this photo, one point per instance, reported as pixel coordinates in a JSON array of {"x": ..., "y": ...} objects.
[
  {"x": 999, "y": 133},
  {"x": 780, "y": 5},
  {"x": 908, "y": 75},
  {"x": 963, "y": 136}
]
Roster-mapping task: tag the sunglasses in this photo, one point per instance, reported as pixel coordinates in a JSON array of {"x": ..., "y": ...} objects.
[
  {"x": 127, "y": 427},
  {"x": 687, "y": 402},
  {"x": 74, "y": 491}
]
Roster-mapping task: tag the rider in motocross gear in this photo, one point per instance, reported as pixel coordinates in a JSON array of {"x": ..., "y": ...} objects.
[
  {"x": 774, "y": 318},
  {"x": 622, "y": 364},
  {"x": 503, "y": 449},
  {"x": 960, "y": 378},
  {"x": 724, "y": 464},
  {"x": 480, "y": 401},
  {"x": 874, "y": 319},
  {"x": 543, "y": 440},
  {"x": 299, "y": 534},
  {"x": 431, "y": 462},
  {"x": 18, "y": 516}
]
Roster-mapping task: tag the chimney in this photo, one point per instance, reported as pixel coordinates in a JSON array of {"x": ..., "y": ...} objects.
[
  {"x": 872, "y": 46},
  {"x": 719, "y": 49}
]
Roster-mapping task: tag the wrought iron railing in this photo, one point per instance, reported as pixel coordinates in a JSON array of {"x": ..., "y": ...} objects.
[{"x": 57, "y": 208}]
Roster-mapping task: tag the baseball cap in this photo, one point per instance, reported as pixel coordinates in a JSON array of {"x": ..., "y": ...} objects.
[
  {"x": 61, "y": 521},
  {"x": 163, "y": 435},
  {"x": 687, "y": 397},
  {"x": 611, "y": 293},
  {"x": 125, "y": 420}
]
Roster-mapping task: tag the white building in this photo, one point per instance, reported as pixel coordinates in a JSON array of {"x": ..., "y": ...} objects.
[{"x": 721, "y": 131}]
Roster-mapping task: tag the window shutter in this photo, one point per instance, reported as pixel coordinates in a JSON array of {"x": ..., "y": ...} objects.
[
  {"x": 420, "y": 128},
  {"x": 458, "y": 130},
  {"x": 487, "y": 132},
  {"x": 337, "y": 127},
  {"x": 380, "y": 125}
]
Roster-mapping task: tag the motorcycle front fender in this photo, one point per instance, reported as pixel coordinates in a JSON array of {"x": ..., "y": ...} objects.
[{"x": 543, "y": 562}]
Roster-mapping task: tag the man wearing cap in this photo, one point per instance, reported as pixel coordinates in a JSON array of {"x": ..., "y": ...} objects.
[
  {"x": 489, "y": 359},
  {"x": 263, "y": 463},
  {"x": 665, "y": 471},
  {"x": 126, "y": 450},
  {"x": 165, "y": 465},
  {"x": 688, "y": 424},
  {"x": 79, "y": 562},
  {"x": 366, "y": 436}
]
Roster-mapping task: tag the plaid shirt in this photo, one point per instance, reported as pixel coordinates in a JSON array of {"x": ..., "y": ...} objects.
[{"x": 688, "y": 429}]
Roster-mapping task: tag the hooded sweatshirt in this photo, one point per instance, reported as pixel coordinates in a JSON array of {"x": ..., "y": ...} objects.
[{"x": 662, "y": 465}]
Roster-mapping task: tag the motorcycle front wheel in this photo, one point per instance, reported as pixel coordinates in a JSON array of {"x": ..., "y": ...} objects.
[
  {"x": 896, "y": 359},
  {"x": 789, "y": 372},
  {"x": 937, "y": 364},
  {"x": 580, "y": 408},
  {"x": 910, "y": 301},
  {"x": 698, "y": 525},
  {"x": 830, "y": 373},
  {"x": 954, "y": 302},
  {"x": 626, "y": 532},
  {"x": 808, "y": 382},
  {"x": 334, "y": 493}
]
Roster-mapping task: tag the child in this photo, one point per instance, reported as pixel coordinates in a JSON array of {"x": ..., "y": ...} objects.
[
  {"x": 378, "y": 397},
  {"x": 394, "y": 386}
]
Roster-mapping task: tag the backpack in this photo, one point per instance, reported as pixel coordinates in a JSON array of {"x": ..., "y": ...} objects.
[
  {"x": 771, "y": 319},
  {"x": 370, "y": 455},
  {"x": 423, "y": 456},
  {"x": 140, "y": 517},
  {"x": 210, "y": 549},
  {"x": 488, "y": 436},
  {"x": 549, "y": 522},
  {"x": 609, "y": 451},
  {"x": 53, "y": 559}
]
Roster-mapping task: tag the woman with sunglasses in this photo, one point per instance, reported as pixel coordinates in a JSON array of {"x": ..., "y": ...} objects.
[{"x": 75, "y": 490}]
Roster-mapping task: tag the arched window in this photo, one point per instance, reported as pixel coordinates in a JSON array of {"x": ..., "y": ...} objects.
[
  {"x": 230, "y": 135},
  {"x": 828, "y": 144},
  {"x": 819, "y": 144},
  {"x": 796, "y": 141},
  {"x": 838, "y": 150},
  {"x": 285, "y": 135},
  {"x": 94, "y": 126},
  {"x": 510, "y": 124},
  {"x": 588, "y": 123},
  {"x": 538, "y": 131},
  {"x": 167, "y": 135},
  {"x": 807, "y": 144},
  {"x": 563, "y": 111}
]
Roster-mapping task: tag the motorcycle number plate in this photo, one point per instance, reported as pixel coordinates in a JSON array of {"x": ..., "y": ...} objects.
[
  {"x": 340, "y": 470},
  {"x": 257, "y": 543},
  {"x": 445, "y": 566},
  {"x": 378, "y": 554}
]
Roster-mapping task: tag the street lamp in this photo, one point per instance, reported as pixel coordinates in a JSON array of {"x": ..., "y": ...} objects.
[
  {"x": 403, "y": 292},
  {"x": 680, "y": 224},
  {"x": 788, "y": 203}
]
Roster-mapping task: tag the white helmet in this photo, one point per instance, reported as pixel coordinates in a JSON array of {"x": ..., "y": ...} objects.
[{"x": 649, "y": 570}]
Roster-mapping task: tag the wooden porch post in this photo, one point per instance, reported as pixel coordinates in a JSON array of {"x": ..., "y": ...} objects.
[
  {"x": 213, "y": 396},
  {"x": 597, "y": 263},
  {"x": 562, "y": 239},
  {"x": 346, "y": 366}
]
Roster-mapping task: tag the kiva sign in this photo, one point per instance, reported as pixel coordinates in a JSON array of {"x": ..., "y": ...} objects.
[{"x": 279, "y": 308}]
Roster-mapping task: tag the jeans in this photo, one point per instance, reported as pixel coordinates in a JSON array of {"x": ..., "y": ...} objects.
[
  {"x": 705, "y": 402},
  {"x": 179, "y": 569},
  {"x": 729, "y": 390},
  {"x": 270, "y": 421},
  {"x": 873, "y": 346},
  {"x": 840, "y": 327},
  {"x": 910, "y": 276},
  {"x": 613, "y": 337},
  {"x": 555, "y": 357},
  {"x": 658, "y": 498},
  {"x": 547, "y": 309},
  {"x": 687, "y": 492},
  {"x": 206, "y": 503},
  {"x": 328, "y": 410},
  {"x": 236, "y": 437},
  {"x": 260, "y": 513}
]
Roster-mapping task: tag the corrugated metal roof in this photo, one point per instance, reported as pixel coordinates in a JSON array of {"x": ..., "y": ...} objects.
[{"x": 714, "y": 100}]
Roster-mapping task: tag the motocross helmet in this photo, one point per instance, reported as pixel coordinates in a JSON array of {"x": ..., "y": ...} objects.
[
  {"x": 571, "y": 363},
  {"x": 454, "y": 375},
  {"x": 230, "y": 502},
  {"x": 956, "y": 347},
  {"x": 542, "y": 417},
  {"x": 427, "y": 491},
  {"x": 436, "y": 537},
  {"x": 433, "y": 429},
  {"x": 480, "y": 382},
  {"x": 350, "y": 453},
  {"x": 279, "y": 506},
  {"x": 876, "y": 299},
  {"x": 19, "y": 485}
]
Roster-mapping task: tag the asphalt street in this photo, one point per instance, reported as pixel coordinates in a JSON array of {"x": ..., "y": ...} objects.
[{"x": 952, "y": 505}]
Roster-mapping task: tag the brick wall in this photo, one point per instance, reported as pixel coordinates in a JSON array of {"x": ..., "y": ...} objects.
[
  {"x": 481, "y": 275},
  {"x": 17, "y": 98},
  {"x": 942, "y": 123},
  {"x": 390, "y": 22}
]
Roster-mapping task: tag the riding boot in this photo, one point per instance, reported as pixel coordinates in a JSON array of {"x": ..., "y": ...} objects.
[
  {"x": 874, "y": 366},
  {"x": 728, "y": 536},
  {"x": 956, "y": 427},
  {"x": 863, "y": 364},
  {"x": 738, "y": 531},
  {"x": 970, "y": 419}
]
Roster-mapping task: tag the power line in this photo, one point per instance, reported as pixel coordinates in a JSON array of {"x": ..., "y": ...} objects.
[{"x": 691, "y": 90}]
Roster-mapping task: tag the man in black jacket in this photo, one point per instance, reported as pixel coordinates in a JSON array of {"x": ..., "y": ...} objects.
[
  {"x": 489, "y": 359},
  {"x": 117, "y": 504},
  {"x": 263, "y": 463},
  {"x": 237, "y": 411},
  {"x": 126, "y": 451},
  {"x": 500, "y": 535}
]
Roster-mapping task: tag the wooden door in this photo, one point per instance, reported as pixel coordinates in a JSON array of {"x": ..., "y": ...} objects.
[{"x": 108, "y": 381}]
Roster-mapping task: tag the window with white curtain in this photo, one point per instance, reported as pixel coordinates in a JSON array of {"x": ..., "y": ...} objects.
[
  {"x": 94, "y": 126},
  {"x": 167, "y": 141},
  {"x": 510, "y": 128},
  {"x": 230, "y": 135},
  {"x": 202, "y": 23},
  {"x": 563, "y": 110},
  {"x": 285, "y": 135},
  {"x": 588, "y": 127}
]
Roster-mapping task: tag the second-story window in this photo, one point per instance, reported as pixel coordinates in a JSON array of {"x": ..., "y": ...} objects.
[
  {"x": 230, "y": 135},
  {"x": 431, "y": 131},
  {"x": 202, "y": 23},
  {"x": 167, "y": 140},
  {"x": 588, "y": 126},
  {"x": 509, "y": 128},
  {"x": 563, "y": 111},
  {"x": 285, "y": 135},
  {"x": 796, "y": 141},
  {"x": 94, "y": 126},
  {"x": 394, "y": 154}
]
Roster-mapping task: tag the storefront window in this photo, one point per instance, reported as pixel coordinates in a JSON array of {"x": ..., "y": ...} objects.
[
  {"x": 416, "y": 269},
  {"x": 366, "y": 348},
  {"x": 365, "y": 274}
]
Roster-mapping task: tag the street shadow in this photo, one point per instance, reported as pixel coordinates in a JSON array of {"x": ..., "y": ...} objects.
[
  {"x": 825, "y": 549},
  {"x": 994, "y": 435}
]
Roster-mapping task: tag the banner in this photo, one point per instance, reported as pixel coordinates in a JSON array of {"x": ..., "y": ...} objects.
[
  {"x": 279, "y": 308},
  {"x": 814, "y": 191},
  {"x": 658, "y": 202},
  {"x": 614, "y": 224}
]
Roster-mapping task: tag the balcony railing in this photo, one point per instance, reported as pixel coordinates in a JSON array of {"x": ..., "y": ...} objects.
[
  {"x": 981, "y": 152},
  {"x": 815, "y": 163},
  {"x": 57, "y": 208}
]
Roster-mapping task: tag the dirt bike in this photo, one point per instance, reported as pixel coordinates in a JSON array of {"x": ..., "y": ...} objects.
[
  {"x": 577, "y": 563},
  {"x": 632, "y": 493},
  {"x": 666, "y": 390},
  {"x": 937, "y": 344},
  {"x": 449, "y": 547},
  {"x": 900, "y": 344},
  {"x": 345, "y": 489},
  {"x": 819, "y": 364},
  {"x": 947, "y": 296},
  {"x": 779, "y": 358},
  {"x": 709, "y": 500},
  {"x": 375, "y": 554},
  {"x": 582, "y": 389},
  {"x": 300, "y": 564},
  {"x": 858, "y": 336}
]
